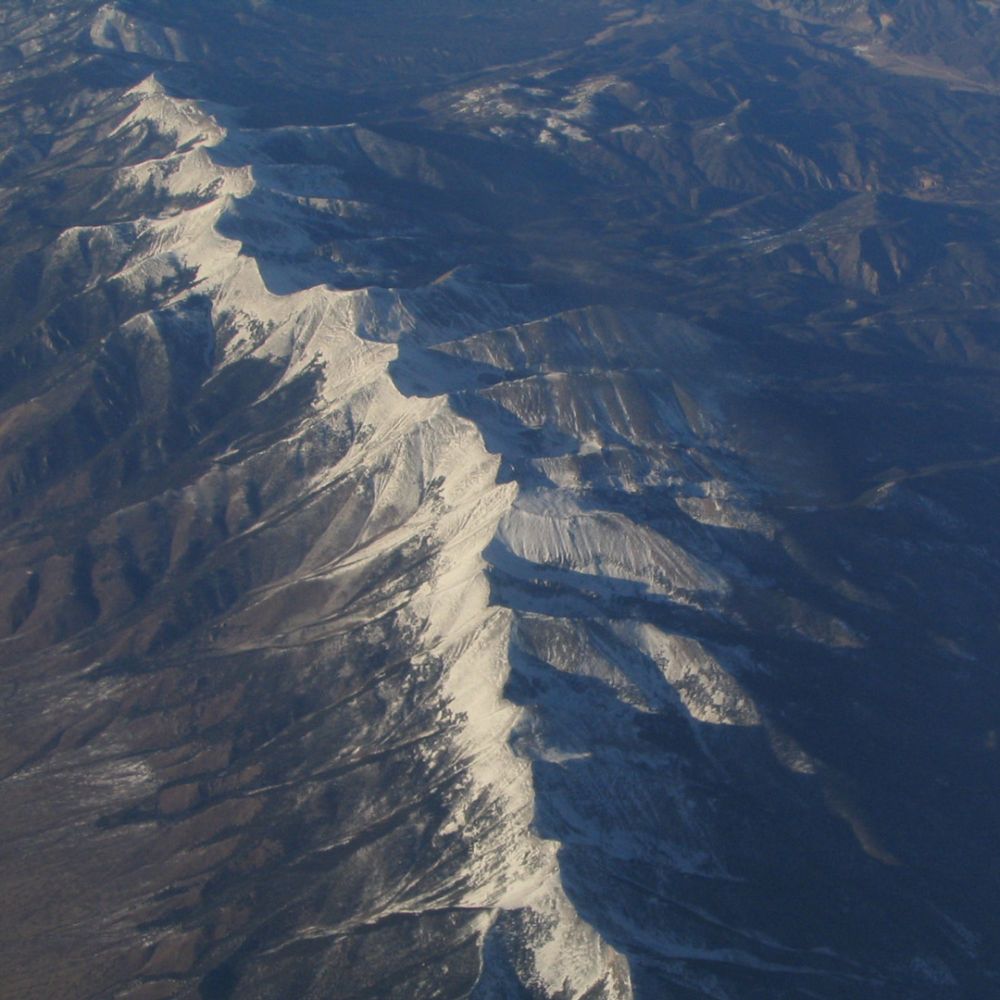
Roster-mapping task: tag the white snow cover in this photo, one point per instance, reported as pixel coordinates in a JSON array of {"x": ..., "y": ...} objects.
[
  {"x": 549, "y": 529},
  {"x": 707, "y": 690},
  {"x": 114, "y": 29}
]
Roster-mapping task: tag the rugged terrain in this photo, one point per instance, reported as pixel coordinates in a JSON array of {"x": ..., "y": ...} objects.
[{"x": 499, "y": 500}]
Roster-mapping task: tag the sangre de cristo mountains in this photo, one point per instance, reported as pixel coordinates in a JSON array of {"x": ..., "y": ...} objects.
[{"x": 499, "y": 500}]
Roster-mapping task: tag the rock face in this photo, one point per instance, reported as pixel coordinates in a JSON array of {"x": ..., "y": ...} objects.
[{"x": 499, "y": 502}]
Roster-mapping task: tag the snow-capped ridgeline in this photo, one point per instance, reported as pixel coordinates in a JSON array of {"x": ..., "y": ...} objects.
[
  {"x": 434, "y": 484},
  {"x": 486, "y": 442}
]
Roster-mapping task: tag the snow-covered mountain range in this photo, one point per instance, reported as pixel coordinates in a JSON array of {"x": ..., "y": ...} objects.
[{"x": 498, "y": 502}]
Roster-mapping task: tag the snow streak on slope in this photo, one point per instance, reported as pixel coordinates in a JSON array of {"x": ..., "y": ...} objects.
[{"x": 115, "y": 29}]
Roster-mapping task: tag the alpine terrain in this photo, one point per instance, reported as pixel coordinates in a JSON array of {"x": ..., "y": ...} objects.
[{"x": 499, "y": 500}]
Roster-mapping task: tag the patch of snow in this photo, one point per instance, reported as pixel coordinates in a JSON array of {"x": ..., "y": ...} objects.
[
  {"x": 186, "y": 121},
  {"x": 706, "y": 689},
  {"x": 549, "y": 530},
  {"x": 114, "y": 29}
]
